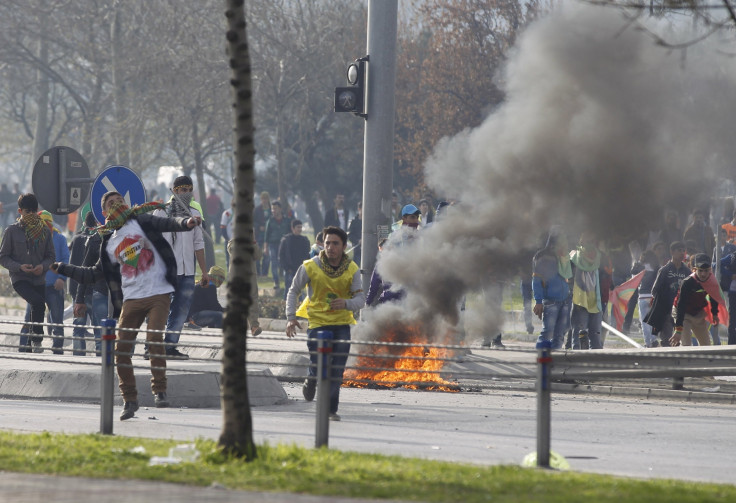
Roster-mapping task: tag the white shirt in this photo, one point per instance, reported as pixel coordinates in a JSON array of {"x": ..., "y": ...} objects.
[
  {"x": 184, "y": 244},
  {"x": 227, "y": 221},
  {"x": 142, "y": 269}
]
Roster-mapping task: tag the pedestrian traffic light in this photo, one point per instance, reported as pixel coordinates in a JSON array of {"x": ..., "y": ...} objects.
[{"x": 353, "y": 98}]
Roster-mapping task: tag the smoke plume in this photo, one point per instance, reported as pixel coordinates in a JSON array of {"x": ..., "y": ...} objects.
[{"x": 601, "y": 130}]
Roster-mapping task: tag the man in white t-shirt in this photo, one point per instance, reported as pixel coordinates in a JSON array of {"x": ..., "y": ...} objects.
[
  {"x": 187, "y": 246},
  {"x": 139, "y": 268}
]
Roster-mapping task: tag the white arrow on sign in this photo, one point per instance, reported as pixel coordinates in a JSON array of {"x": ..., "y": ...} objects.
[{"x": 110, "y": 187}]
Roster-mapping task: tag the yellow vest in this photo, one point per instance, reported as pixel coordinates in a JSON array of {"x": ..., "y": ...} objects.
[{"x": 324, "y": 290}]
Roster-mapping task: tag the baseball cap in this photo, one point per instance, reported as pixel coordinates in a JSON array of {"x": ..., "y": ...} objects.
[
  {"x": 701, "y": 261},
  {"x": 410, "y": 209}
]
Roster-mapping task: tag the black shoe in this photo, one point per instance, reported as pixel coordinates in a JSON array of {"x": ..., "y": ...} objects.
[
  {"x": 176, "y": 354},
  {"x": 497, "y": 344},
  {"x": 57, "y": 351},
  {"x": 309, "y": 389},
  {"x": 334, "y": 416},
  {"x": 37, "y": 348},
  {"x": 128, "y": 410},
  {"x": 161, "y": 399}
]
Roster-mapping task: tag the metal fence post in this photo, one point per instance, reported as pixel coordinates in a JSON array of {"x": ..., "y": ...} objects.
[
  {"x": 324, "y": 372},
  {"x": 108, "y": 377},
  {"x": 544, "y": 415}
]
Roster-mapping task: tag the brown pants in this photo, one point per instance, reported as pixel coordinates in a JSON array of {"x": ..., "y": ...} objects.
[{"x": 133, "y": 314}]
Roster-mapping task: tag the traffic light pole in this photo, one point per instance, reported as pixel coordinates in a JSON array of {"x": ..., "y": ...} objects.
[{"x": 378, "y": 155}]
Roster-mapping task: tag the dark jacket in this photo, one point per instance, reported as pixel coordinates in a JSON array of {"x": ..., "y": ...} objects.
[
  {"x": 293, "y": 250},
  {"x": 204, "y": 299},
  {"x": 665, "y": 288},
  {"x": 15, "y": 251},
  {"x": 692, "y": 300},
  {"x": 77, "y": 249},
  {"x": 332, "y": 218},
  {"x": 91, "y": 256},
  {"x": 275, "y": 230},
  {"x": 105, "y": 269}
]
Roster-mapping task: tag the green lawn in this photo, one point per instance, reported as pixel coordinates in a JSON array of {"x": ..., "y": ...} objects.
[{"x": 335, "y": 473}]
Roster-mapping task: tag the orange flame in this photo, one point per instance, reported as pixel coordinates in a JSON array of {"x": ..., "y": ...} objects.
[{"x": 414, "y": 367}]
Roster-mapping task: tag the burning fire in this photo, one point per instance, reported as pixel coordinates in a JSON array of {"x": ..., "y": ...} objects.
[{"x": 414, "y": 366}]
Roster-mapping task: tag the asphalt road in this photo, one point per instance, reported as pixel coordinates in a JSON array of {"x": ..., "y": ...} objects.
[{"x": 613, "y": 435}]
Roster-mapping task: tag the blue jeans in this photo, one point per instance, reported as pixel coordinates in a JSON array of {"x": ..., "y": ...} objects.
[
  {"x": 273, "y": 253},
  {"x": 35, "y": 296},
  {"x": 181, "y": 300},
  {"x": 209, "y": 319},
  {"x": 555, "y": 322},
  {"x": 340, "y": 348},
  {"x": 526, "y": 297},
  {"x": 644, "y": 306},
  {"x": 96, "y": 311},
  {"x": 584, "y": 321},
  {"x": 55, "y": 302}
]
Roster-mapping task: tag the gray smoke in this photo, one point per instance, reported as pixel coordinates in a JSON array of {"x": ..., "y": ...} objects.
[{"x": 601, "y": 130}]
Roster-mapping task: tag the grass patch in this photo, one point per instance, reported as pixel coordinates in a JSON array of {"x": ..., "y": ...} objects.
[{"x": 334, "y": 473}]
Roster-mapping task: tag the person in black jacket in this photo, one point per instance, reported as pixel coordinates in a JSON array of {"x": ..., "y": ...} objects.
[
  {"x": 293, "y": 250},
  {"x": 338, "y": 215},
  {"x": 86, "y": 245},
  {"x": 206, "y": 310},
  {"x": 665, "y": 288}
]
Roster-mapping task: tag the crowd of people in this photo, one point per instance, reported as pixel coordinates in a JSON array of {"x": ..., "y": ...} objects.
[
  {"x": 673, "y": 282},
  {"x": 142, "y": 262}
]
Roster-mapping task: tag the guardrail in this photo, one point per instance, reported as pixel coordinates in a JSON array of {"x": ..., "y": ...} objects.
[{"x": 423, "y": 365}]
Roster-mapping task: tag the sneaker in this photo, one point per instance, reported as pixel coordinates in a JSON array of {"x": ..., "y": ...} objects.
[
  {"x": 309, "y": 389},
  {"x": 334, "y": 417},
  {"x": 37, "y": 348},
  {"x": 128, "y": 410},
  {"x": 192, "y": 326},
  {"x": 174, "y": 353},
  {"x": 497, "y": 344},
  {"x": 146, "y": 355},
  {"x": 161, "y": 399}
]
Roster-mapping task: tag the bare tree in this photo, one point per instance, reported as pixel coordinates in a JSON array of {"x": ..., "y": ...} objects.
[{"x": 237, "y": 429}]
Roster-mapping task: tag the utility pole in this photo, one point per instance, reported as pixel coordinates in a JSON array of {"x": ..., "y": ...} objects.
[{"x": 378, "y": 155}]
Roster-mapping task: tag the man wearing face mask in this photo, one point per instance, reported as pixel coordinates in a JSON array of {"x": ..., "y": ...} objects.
[
  {"x": 186, "y": 246},
  {"x": 139, "y": 268}
]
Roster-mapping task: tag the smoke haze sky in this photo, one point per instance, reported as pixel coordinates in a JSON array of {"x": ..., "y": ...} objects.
[{"x": 601, "y": 130}]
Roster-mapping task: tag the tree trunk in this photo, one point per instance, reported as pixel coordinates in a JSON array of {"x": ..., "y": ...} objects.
[
  {"x": 236, "y": 437},
  {"x": 209, "y": 245},
  {"x": 122, "y": 152}
]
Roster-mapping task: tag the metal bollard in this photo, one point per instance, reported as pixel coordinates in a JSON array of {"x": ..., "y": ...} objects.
[
  {"x": 324, "y": 371},
  {"x": 544, "y": 392},
  {"x": 108, "y": 376}
]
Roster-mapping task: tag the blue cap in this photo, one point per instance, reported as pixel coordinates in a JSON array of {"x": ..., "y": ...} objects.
[{"x": 410, "y": 209}]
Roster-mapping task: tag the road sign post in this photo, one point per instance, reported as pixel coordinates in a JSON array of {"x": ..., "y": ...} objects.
[{"x": 61, "y": 180}]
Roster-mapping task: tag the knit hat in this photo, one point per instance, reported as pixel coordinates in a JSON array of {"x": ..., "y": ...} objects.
[
  {"x": 217, "y": 273},
  {"x": 47, "y": 218}
]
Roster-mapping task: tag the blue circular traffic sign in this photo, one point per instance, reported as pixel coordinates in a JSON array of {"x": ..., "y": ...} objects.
[{"x": 119, "y": 179}]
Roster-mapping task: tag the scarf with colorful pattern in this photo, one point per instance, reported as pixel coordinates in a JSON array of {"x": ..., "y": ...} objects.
[
  {"x": 334, "y": 272},
  {"x": 121, "y": 213},
  {"x": 33, "y": 227}
]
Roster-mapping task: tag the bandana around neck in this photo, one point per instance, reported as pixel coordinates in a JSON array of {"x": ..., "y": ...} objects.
[
  {"x": 33, "y": 227},
  {"x": 180, "y": 209},
  {"x": 334, "y": 272},
  {"x": 120, "y": 213}
]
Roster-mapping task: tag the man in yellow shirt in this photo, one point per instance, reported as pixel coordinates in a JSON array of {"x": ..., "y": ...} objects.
[{"x": 334, "y": 290}]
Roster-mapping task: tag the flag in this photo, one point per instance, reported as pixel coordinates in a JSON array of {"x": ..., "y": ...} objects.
[{"x": 620, "y": 297}]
